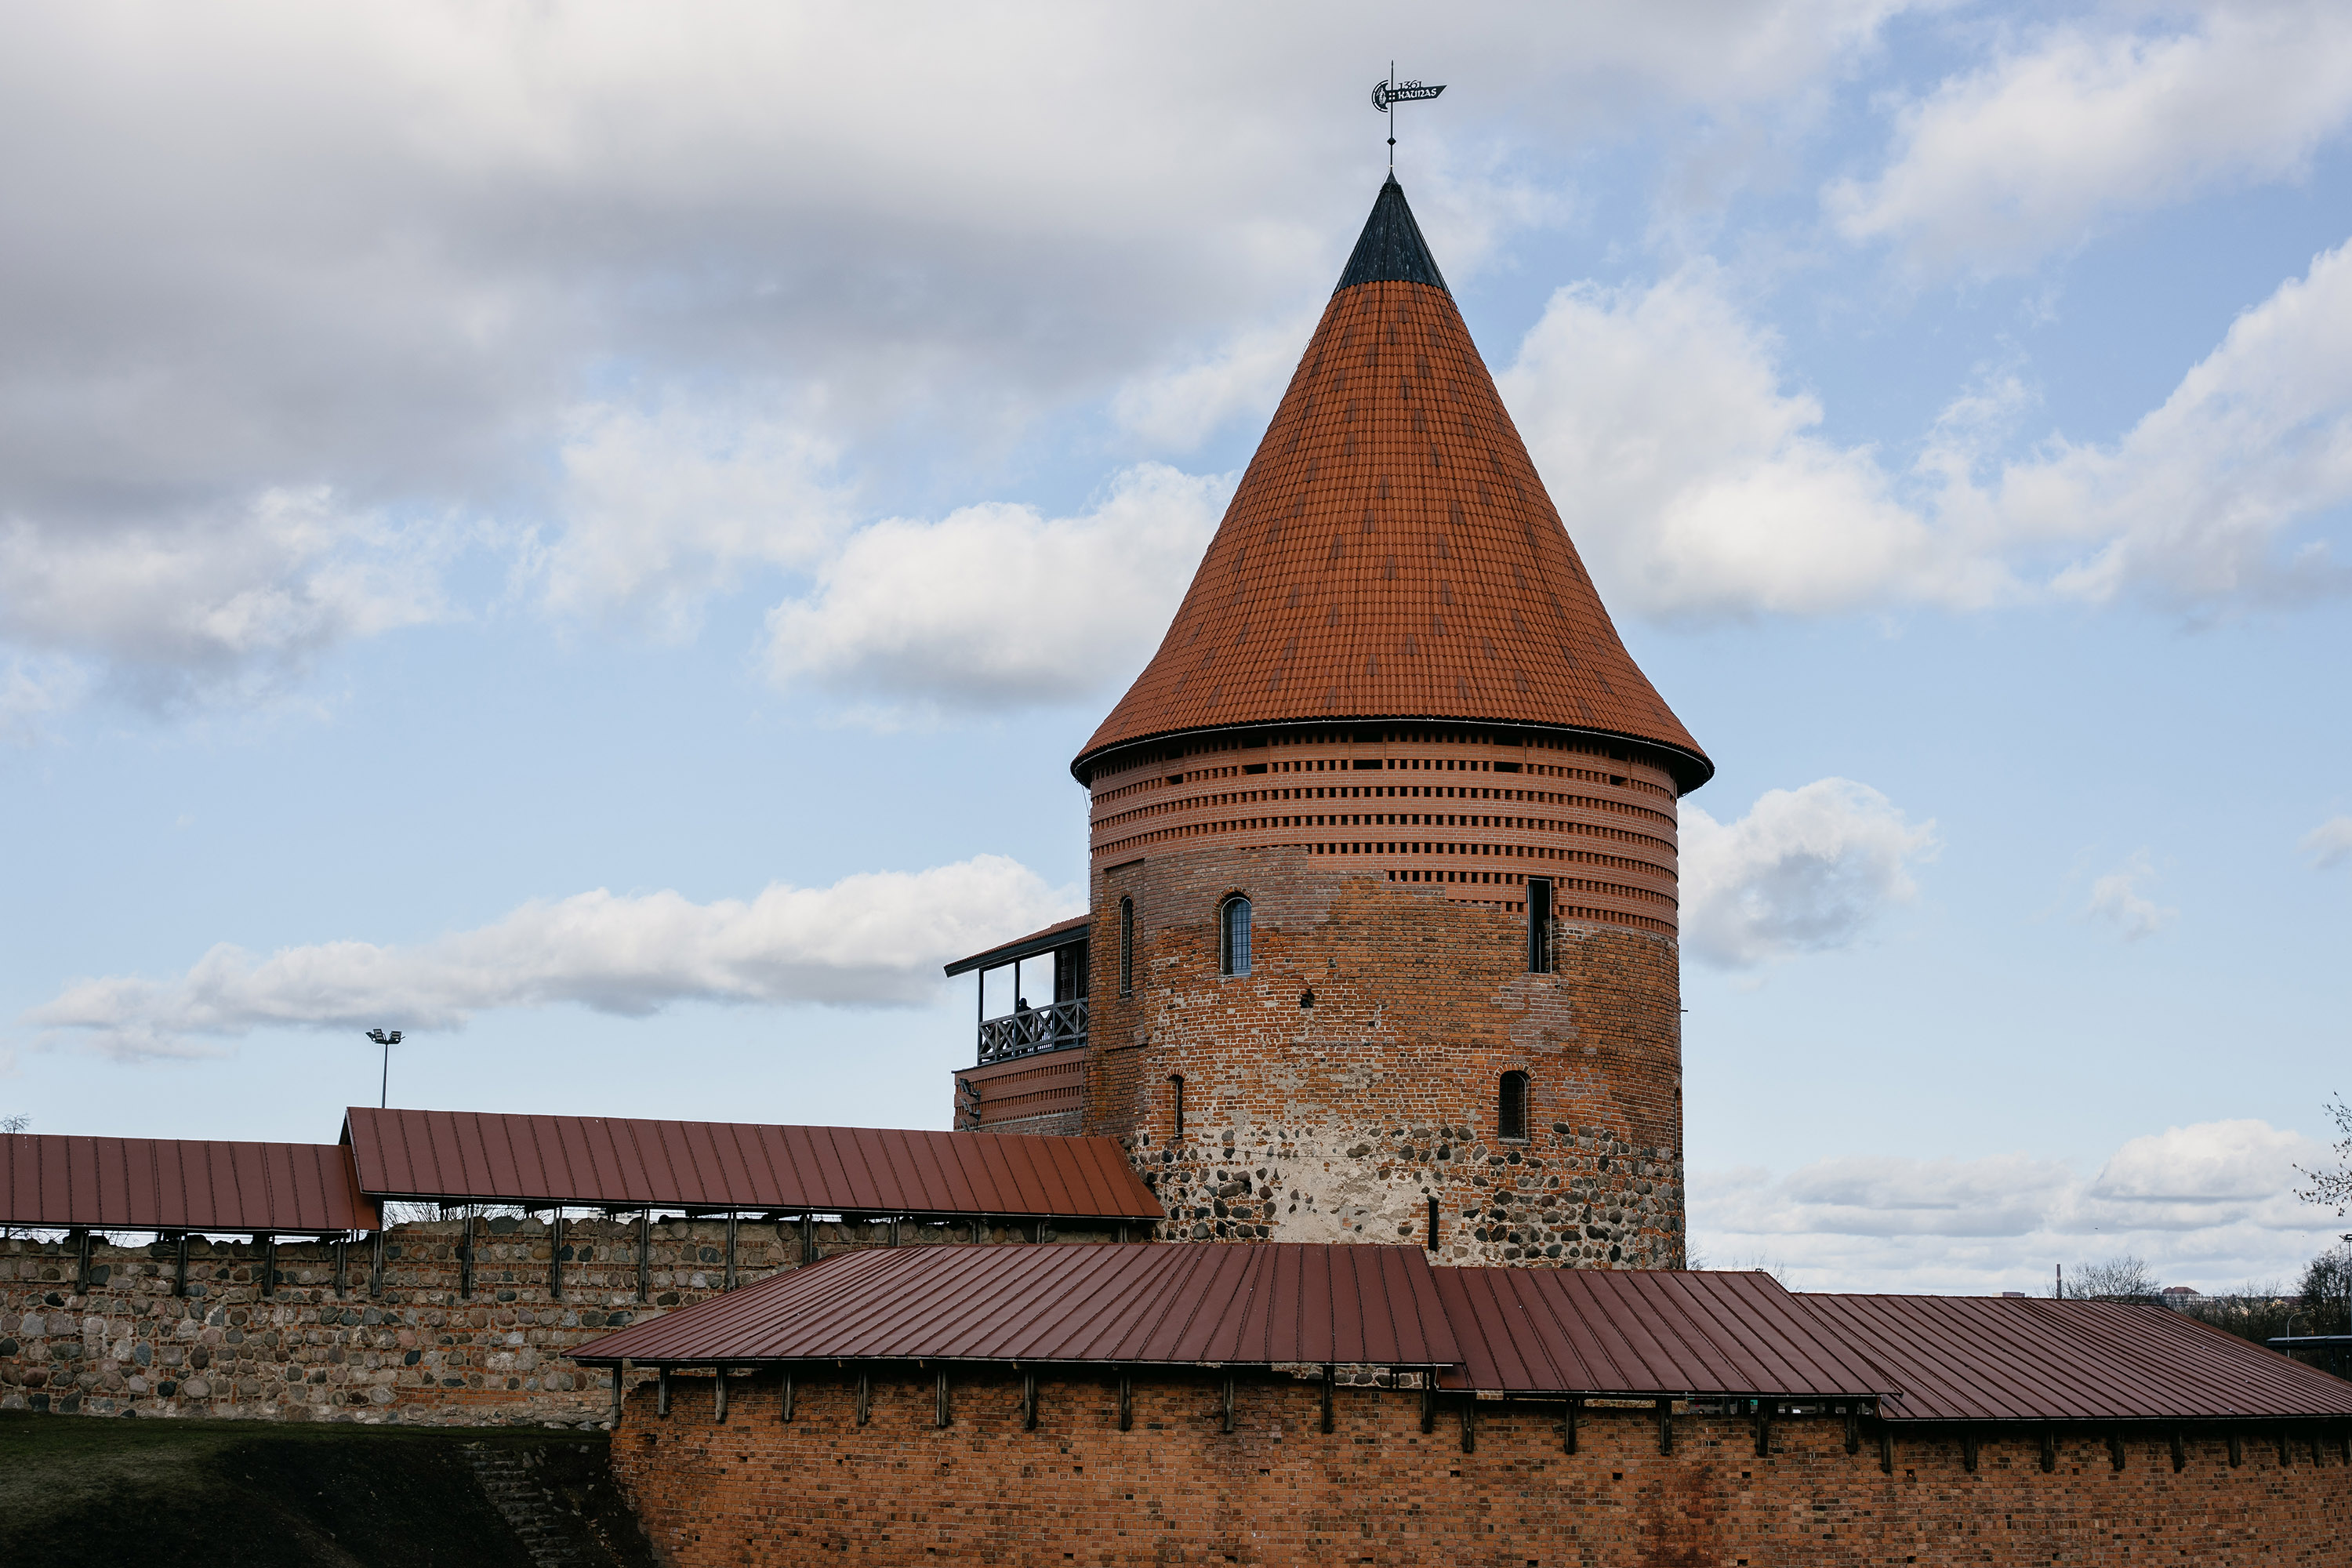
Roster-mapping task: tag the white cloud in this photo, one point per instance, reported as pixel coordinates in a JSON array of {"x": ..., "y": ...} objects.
[
  {"x": 2034, "y": 153},
  {"x": 2209, "y": 1205},
  {"x": 1691, "y": 476},
  {"x": 388, "y": 255},
  {"x": 995, "y": 606},
  {"x": 2119, "y": 898},
  {"x": 662, "y": 507},
  {"x": 1805, "y": 871},
  {"x": 874, "y": 939},
  {"x": 1177, "y": 406},
  {"x": 249, "y": 595},
  {"x": 2329, "y": 844},
  {"x": 1659, "y": 421}
]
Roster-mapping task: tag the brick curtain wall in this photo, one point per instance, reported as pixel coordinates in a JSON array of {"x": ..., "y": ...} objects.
[
  {"x": 417, "y": 1353},
  {"x": 1278, "y": 1490}
]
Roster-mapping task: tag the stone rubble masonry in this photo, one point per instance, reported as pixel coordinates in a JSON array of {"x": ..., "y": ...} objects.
[
  {"x": 1340, "y": 1120},
  {"x": 1278, "y": 1490},
  {"x": 417, "y": 1353}
]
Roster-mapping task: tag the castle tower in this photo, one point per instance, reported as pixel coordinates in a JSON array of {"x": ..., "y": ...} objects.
[{"x": 1383, "y": 942}]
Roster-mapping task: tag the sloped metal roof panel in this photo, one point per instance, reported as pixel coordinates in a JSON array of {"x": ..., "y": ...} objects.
[
  {"x": 1141, "y": 1303},
  {"x": 1644, "y": 1332},
  {"x": 1978, "y": 1358},
  {"x": 170, "y": 1184},
  {"x": 718, "y": 1164}
]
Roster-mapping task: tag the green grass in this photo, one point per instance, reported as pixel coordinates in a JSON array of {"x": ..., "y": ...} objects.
[{"x": 75, "y": 1490}]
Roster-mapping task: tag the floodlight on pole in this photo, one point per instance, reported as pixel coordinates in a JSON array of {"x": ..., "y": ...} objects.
[{"x": 384, "y": 1094}]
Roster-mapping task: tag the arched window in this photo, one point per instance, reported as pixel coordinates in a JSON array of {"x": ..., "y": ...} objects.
[
  {"x": 1127, "y": 947},
  {"x": 1513, "y": 1122},
  {"x": 1234, "y": 936},
  {"x": 1176, "y": 1101}
]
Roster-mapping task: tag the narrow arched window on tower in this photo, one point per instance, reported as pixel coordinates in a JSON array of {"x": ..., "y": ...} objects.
[
  {"x": 1513, "y": 1122},
  {"x": 1234, "y": 936},
  {"x": 1176, "y": 1102},
  {"x": 1127, "y": 947}
]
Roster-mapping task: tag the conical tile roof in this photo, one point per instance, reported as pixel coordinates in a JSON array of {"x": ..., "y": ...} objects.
[{"x": 1391, "y": 552}]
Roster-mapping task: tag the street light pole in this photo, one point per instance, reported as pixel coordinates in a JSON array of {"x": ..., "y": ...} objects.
[{"x": 387, "y": 1041}]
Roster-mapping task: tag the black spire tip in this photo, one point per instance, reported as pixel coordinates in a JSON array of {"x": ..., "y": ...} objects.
[{"x": 1390, "y": 249}]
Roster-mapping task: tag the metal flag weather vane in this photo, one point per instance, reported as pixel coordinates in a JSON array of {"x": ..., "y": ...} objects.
[{"x": 1390, "y": 92}]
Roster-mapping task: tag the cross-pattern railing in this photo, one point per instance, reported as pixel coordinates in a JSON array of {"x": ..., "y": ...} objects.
[{"x": 1056, "y": 1026}]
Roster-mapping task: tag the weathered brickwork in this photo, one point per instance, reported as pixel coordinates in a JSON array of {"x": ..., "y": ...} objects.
[
  {"x": 1176, "y": 1488},
  {"x": 419, "y": 1352},
  {"x": 1355, "y": 1072}
]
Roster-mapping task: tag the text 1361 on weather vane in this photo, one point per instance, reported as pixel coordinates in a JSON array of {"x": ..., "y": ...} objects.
[{"x": 1390, "y": 92}]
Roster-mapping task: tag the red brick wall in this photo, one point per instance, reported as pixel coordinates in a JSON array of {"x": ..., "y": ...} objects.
[
  {"x": 1376, "y": 1489},
  {"x": 1338, "y": 1122}
]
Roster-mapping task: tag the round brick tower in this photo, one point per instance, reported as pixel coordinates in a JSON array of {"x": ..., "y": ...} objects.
[{"x": 1383, "y": 879}]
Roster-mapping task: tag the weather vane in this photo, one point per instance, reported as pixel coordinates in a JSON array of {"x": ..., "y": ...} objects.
[{"x": 1390, "y": 92}]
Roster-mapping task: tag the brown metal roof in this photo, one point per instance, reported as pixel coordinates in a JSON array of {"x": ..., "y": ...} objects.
[
  {"x": 171, "y": 1183},
  {"x": 1977, "y": 1358},
  {"x": 728, "y": 1165},
  {"x": 1390, "y": 554},
  {"x": 1142, "y": 1302},
  {"x": 1061, "y": 933},
  {"x": 1645, "y": 1333}
]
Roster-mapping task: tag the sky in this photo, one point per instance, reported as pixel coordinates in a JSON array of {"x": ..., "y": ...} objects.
[{"x": 590, "y": 534}]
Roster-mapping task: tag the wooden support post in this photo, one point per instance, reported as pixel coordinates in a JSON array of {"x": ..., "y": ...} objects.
[
  {"x": 466, "y": 1257},
  {"x": 180, "y": 1264},
  {"x": 1885, "y": 1449},
  {"x": 1969, "y": 1449},
  {"x": 1428, "y": 1401},
  {"x": 1122, "y": 1230},
  {"x": 2050, "y": 1449},
  {"x": 719, "y": 1393},
  {"x": 616, "y": 1397},
  {"x": 864, "y": 1395},
  {"x": 269, "y": 1246},
  {"x": 1665, "y": 1425},
  {"x": 979, "y": 1230},
  {"x": 2237, "y": 1449},
  {"x": 1029, "y": 1402},
  {"x": 1470, "y": 1422},
  {"x": 82, "y": 1262},
  {"x": 939, "y": 1411},
  {"x": 784, "y": 1411},
  {"x": 730, "y": 1284},
  {"x": 555, "y": 1258},
  {"x": 1853, "y": 1431},
  {"x": 342, "y": 1265},
  {"x": 2116, "y": 1449},
  {"x": 1326, "y": 1395},
  {"x": 375, "y": 1260},
  {"x": 1764, "y": 1428},
  {"x": 894, "y": 1232},
  {"x": 2287, "y": 1451},
  {"x": 808, "y": 1240},
  {"x": 2179, "y": 1452},
  {"x": 1229, "y": 1402},
  {"x": 661, "y": 1391},
  {"x": 644, "y": 1251},
  {"x": 1126, "y": 1403},
  {"x": 1569, "y": 1411}
]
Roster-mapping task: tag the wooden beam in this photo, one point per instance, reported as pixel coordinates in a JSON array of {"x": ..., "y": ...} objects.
[
  {"x": 1428, "y": 1401},
  {"x": 1665, "y": 1425},
  {"x": 1969, "y": 1449},
  {"x": 1126, "y": 1403},
  {"x": 1326, "y": 1395},
  {"x": 1029, "y": 1402},
  {"x": 644, "y": 1250},
  {"x": 730, "y": 1284},
  {"x": 1470, "y": 1422},
  {"x": 1228, "y": 1403},
  {"x": 81, "y": 1263},
  {"x": 864, "y": 1395},
  {"x": 343, "y": 1266},
  {"x": 661, "y": 1391},
  {"x": 180, "y": 1264},
  {"x": 2049, "y": 1447},
  {"x": 1569, "y": 1409},
  {"x": 939, "y": 1413},
  {"x": 2237, "y": 1449},
  {"x": 1885, "y": 1449},
  {"x": 616, "y": 1397},
  {"x": 466, "y": 1257},
  {"x": 1764, "y": 1428},
  {"x": 1853, "y": 1431},
  {"x": 375, "y": 1261},
  {"x": 2116, "y": 1449},
  {"x": 808, "y": 1240},
  {"x": 269, "y": 1245},
  {"x": 719, "y": 1393},
  {"x": 2179, "y": 1452}
]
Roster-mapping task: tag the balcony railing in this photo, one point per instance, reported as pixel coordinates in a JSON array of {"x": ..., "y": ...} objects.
[{"x": 1057, "y": 1027}]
